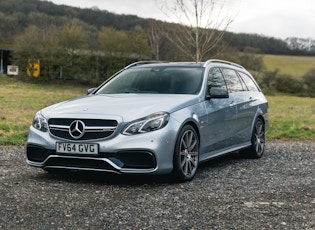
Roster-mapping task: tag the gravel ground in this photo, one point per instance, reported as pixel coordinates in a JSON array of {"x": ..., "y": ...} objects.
[{"x": 274, "y": 192}]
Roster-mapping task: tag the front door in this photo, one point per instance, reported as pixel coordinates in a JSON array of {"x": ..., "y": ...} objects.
[{"x": 221, "y": 112}]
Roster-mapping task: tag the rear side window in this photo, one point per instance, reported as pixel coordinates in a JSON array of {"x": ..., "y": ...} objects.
[
  {"x": 250, "y": 84},
  {"x": 232, "y": 80},
  {"x": 216, "y": 79}
]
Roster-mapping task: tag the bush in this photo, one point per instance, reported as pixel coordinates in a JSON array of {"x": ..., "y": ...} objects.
[
  {"x": 271, "y": 82},
  {"x": 252, "y": 59},
  {"x": 309, "y": 80},
  {"x": 287, "y": 84}
]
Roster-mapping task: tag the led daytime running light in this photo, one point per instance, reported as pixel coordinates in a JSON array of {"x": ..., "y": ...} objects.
[{"x": 149, "y": 123}]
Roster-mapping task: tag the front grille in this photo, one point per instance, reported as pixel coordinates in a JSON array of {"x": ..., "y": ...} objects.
[{"x": 94, "y": 128}]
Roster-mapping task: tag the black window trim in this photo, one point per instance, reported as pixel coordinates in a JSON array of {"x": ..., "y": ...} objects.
[
  {"x": 217, "y": 67},
  {"x": 239, "y": 78},
  {"x": 251, "y": 78}
]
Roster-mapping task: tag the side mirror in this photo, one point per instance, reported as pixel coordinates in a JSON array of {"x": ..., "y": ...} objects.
[
  {"x": 89, "y": 91},
  {"x": 216, "y": 92}
]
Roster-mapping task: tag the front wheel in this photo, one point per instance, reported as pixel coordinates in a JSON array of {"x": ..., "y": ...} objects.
[
  {"x": 186, "y": 155},
  {"x": 258, "y": 140}
]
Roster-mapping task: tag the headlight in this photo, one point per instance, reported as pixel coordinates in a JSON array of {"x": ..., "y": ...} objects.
[
  {"x": 150, "y": 123},
  {"x": 40, "y": 122}
]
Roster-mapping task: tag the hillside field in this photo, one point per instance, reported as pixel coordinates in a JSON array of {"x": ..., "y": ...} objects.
[
  {"x": 296, "y": 66},
  {"x": 291, "y": 118}
]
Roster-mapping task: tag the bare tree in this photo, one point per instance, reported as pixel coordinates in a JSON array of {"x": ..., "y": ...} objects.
[
  {"x": 201, "y": 25},
  {"x": 154, "y": 39}
]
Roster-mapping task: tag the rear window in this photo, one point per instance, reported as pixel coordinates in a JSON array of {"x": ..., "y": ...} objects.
[
  {"x": 250, "y": 84},
  {"x": 157, "y": 80}
]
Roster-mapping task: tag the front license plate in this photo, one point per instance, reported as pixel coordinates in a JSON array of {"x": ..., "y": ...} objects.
[{"x": 76, "y": 148}]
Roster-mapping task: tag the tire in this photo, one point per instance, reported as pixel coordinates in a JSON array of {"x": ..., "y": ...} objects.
[
  {"x": 257, "y": 148},
  {"x": 186, "y": 155}
]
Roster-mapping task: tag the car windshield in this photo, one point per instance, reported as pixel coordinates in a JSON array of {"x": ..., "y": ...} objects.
[{"x": 158, "y": 80}]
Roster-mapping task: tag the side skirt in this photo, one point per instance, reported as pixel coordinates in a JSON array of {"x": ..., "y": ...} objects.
[{"x": 210, "y": 155}]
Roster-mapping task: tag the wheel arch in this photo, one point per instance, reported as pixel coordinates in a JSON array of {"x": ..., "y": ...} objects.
[
  {"x": 259, "y": 114},
  {"x": 192, "y": 123}
]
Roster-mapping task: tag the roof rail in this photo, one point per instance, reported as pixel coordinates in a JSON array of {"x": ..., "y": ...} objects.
[
  {"x": 222, "y": 61},
  {"x": 140, "y": 63}
]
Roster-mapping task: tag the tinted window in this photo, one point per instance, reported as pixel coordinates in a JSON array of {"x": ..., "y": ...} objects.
[
  {"x": 162, "y": 80},
  {"x": 215, "y": 79},
  {"x": 232, "y": 80},
  {"x": 251, "y": 86}
]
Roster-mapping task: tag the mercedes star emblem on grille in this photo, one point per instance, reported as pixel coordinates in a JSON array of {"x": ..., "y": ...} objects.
[{"x": 77, "y": 129}]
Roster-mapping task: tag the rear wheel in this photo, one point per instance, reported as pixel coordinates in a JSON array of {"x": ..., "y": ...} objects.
[
  {"x": 186, "y": 155},
  {"x": 258, "y": 140}
]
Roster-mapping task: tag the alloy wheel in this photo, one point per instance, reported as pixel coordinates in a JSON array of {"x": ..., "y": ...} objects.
[{"x": 186, "y": 154}]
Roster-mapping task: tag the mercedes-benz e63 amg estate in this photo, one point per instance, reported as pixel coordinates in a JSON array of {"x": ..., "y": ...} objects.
[{"x": 154, "y": 118}]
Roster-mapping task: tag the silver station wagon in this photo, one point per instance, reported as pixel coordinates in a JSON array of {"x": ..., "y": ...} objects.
[{"x": 154, "y": 118}]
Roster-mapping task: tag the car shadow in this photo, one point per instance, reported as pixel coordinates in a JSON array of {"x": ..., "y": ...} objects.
[
  {"x": 99, "y": 178},
  {"x": 222, "y": 161}
]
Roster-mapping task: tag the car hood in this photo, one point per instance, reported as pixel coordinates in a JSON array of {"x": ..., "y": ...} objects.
[{"x": 127, "y": 107}]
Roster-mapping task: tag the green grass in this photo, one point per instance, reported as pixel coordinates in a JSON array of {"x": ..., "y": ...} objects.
[
  {"x": 19, "y": 101},
  {"x": 291, "y": 118},
  {"x": 296, "y": 66}
]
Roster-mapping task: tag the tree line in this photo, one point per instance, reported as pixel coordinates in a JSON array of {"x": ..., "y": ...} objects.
[
  {"x": 89, "y": 45},
  {"x": 16, "y": 15},
  {"x": 70, "y": 52}
]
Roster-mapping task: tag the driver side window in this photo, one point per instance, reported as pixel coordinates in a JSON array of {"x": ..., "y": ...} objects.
[{"x": 216, "y": 79}]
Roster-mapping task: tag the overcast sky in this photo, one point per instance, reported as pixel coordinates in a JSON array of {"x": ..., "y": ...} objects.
[{"x": 276, "y": 18}]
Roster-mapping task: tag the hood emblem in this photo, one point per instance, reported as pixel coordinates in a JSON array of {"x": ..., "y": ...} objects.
[{"x": 77, "y": 129}]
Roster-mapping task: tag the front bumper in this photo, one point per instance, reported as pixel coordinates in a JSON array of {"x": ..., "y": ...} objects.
[
  {"x": 121, "y": 162},
  {"x": 148, "y": 153}
]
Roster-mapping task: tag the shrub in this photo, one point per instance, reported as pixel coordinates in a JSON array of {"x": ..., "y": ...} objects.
[
  {"x": 309, "y": 80},
  {"x": 287, "y": 84},
  {"x": 252, "y": 60}
]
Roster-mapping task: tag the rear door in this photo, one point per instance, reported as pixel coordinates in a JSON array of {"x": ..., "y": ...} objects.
[
  {"x": 247, "y": 110},
  {"x": 238, "y": 93}
]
